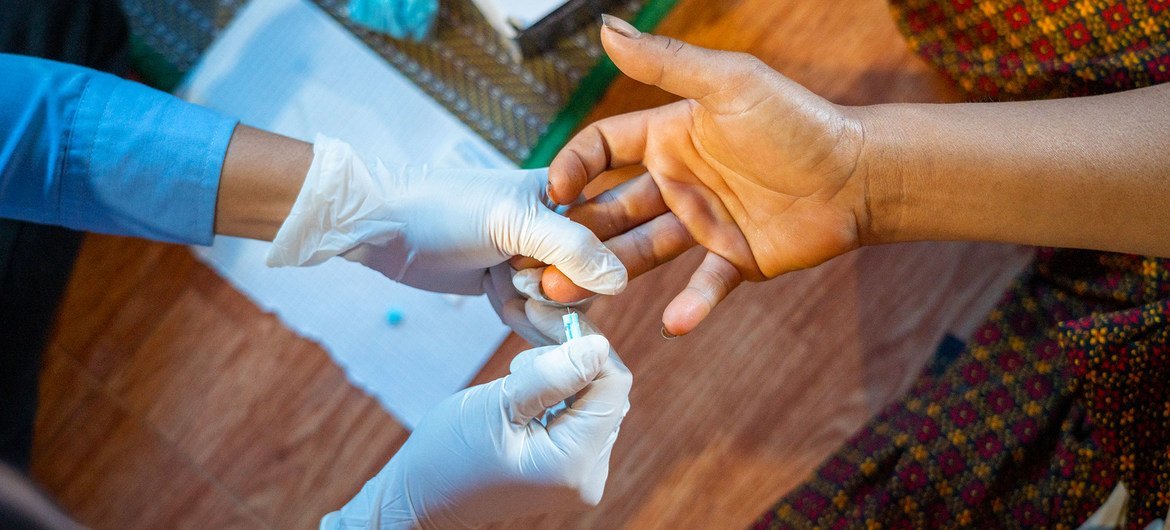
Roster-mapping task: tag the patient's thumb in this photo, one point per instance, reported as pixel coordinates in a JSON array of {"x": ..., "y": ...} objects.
[{"x": 673, "y": 65}]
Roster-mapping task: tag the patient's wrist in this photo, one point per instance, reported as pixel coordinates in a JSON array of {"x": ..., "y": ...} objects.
[{"x": 892, "y": 167}]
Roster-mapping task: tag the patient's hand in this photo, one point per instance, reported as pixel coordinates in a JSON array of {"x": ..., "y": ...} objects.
[{"x": 752, "y": 166}]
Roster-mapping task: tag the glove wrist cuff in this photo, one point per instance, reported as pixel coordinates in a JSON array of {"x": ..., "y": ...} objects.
[{"x": 340, "y": 206}]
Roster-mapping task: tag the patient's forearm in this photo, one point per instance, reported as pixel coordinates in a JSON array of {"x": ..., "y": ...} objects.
[
  {"x": 261, "y": 178},
  {"x": 1088, "y": 172}
]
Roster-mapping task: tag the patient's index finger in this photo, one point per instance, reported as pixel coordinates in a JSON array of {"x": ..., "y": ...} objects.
[
  {"x": 607, "y": 144},
  {"x": 621, "y": 208}
]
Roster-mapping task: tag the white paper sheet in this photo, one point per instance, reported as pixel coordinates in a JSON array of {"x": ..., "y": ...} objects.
[{"x": 285, "y": 66}]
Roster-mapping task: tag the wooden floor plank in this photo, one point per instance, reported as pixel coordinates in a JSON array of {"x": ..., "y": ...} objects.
[
  {"x": 262, "y": 413},
  {"x": 109, "y": 469},
  {"x": 130, "y": 283}
]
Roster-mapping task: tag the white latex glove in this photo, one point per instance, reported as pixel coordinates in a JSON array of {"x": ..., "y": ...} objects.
[
  {"x": 485, "y": 454},
  {"x": 434, "y": 229}
]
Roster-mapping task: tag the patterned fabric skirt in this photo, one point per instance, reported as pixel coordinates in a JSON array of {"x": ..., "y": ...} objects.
[{"x": 1059, "y": 395}]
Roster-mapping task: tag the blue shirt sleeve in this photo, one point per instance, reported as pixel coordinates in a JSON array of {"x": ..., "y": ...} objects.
[{"x": 90, "y": 151}]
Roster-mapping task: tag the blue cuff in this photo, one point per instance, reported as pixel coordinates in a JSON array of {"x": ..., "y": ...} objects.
[{"x": 142, "y": 163}]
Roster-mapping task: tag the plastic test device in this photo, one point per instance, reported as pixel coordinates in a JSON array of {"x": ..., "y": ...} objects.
[{"x": 572, "y": 326}]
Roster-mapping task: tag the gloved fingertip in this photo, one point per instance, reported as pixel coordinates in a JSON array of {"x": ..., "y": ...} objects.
[
  {"x": 588, "y": 353},
  {"x": 527, "y": 357},
  {"x": 577, "y": 252},
  {"x": 527, "y": 282},
  {"x": 606, "y": 275},
  {"x": 553, "y": 376},
  {"x": 612, "y": 275},
  {"x": 613, "y": 279}
]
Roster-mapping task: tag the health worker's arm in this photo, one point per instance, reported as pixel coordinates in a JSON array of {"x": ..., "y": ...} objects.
[{"x": 90, "y": 151}]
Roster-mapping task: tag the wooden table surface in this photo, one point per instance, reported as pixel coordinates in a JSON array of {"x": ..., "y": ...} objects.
[{"x": 169, "y": 400}]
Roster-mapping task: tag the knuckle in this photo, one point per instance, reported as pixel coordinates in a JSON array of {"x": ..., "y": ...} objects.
[
  {"x": 748, "y": 69},
  {"x": 701, "y": 293},
  {"x": 677, "y": 233},
  {"x": 751, "y": 61},
  {"x": 643, "y": 243},
  {"x": 748, "y": 63},
  {"x": 713, "y": 281},
  {"x": 672, "y": 45},
  {"x": 615, "y": 213},
  {"x": 600, "y": 146},
  {"x": 588, "y": 135}
]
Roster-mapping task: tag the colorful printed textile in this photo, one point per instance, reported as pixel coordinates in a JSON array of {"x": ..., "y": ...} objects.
[
  {"x": 1062, "y": 393},
  {"x": 1058, "y": 396},
  {"x": 1034, "y": 49}
]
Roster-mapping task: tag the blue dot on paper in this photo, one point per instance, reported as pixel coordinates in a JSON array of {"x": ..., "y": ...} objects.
[{"x": 395, "y": 316}]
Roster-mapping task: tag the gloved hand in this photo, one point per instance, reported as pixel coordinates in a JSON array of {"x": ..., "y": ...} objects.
[
  {"x": 399, "y": 18},
  {"x": 434, "y": 229},
  {"x": 485, "y": 454}
]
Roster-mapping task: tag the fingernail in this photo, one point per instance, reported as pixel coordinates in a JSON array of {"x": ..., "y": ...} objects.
[
  {"x": 620, "y": 27},
  {"x": 668, "y": 335}
]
